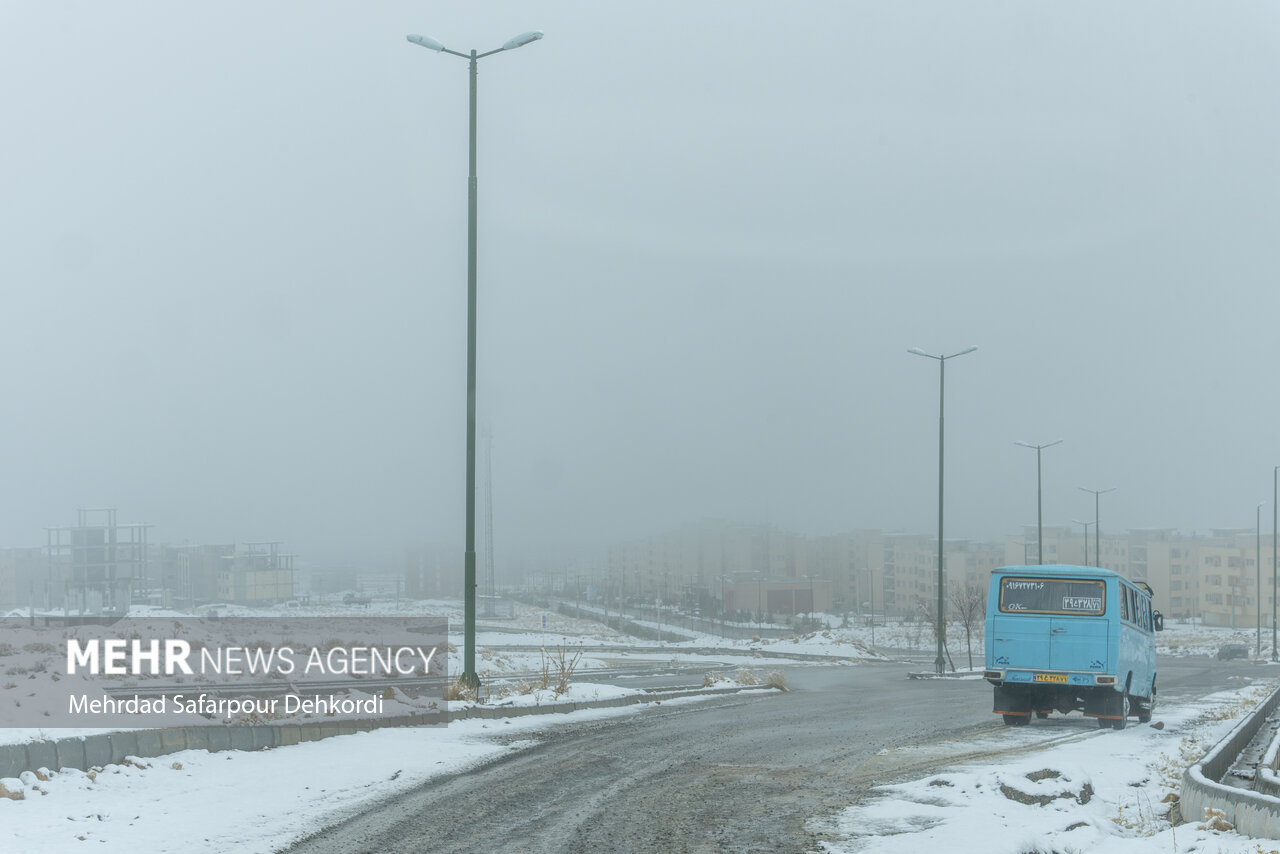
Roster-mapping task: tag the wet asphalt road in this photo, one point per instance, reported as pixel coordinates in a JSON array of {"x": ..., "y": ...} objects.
[{"x": 746, "y": 773}]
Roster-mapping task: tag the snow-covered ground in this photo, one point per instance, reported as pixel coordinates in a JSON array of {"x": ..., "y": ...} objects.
[
  {"x": 1098, "y": 791},
  {"x": 196, "y": 801},
  {"x": 1091, "y": 790}
]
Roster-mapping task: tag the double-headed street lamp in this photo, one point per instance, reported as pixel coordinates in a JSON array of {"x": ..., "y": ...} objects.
[
  {"x": 1097, "y": 529},
  {"x": 1039, "y": 505},
  {"x": 939, "y": 664},
  {"x": 469, "y": 677}
]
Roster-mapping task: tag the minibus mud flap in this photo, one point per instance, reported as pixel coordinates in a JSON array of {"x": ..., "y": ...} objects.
[
  {"x": 1011, "y": 702},
  {"x": 1104, "y": 704}
]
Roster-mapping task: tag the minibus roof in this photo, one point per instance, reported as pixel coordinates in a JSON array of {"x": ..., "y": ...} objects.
[{"x": 1057, "y": 569}]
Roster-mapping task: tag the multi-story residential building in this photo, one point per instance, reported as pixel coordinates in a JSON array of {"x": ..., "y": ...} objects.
[
  {"x": 910, "y": 573},
  {"x": 188, "y": 575},
  {"x": 700, "y": 562},
  {"x": 1212, "y": 578},
  {"x": 260, "y": 574},
  {"x": 750, "y": 566},
  {"x": 98, "y": 565},
  {"x": 23, "y": 576}
]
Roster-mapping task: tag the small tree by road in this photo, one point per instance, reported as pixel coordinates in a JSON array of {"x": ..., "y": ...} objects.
[{"x": 969, "y": 608}]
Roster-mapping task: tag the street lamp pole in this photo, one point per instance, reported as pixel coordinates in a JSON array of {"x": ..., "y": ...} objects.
[
  {"x": 939, "y": 664},
  {"x": 1275, "y": 472},
  {"x": 469, "y": 678},
  {"x": 1257, "y": 565},
  {"x": 1039, "y": 504},
  {"x": 873, "y": 605},
  {"x": 759, "y": 602},
  {"x": 1097, "y": 528},
  {"x": 724, "y": 606},
  {"x": 1086, "y": 538}
]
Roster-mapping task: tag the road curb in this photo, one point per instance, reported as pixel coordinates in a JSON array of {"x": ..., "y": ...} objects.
[
  {"x": 1251, "y": 813},
  {"x": 95, "y": 751}
]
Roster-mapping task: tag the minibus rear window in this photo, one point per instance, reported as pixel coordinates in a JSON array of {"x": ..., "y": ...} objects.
[{"x": 1053, "y": 596}]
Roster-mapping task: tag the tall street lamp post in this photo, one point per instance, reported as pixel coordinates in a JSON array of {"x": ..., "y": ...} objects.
[
  {"x": 1097, "y": 528},
  {"x": 939, "y": 665},
  {"x": 1086, "y": 537},
  {"x": 872, "y": 590},
  {"x": 759, "y": 599},
  {"x": 1275, "y": 473},
  {"x": 469, "y": 677},
  {"x": 1039, "y": 504},
  {"x": 724, "y": 605},
  {"x": 873, "y": 606},
  {"x": 1257, "y": 565}
]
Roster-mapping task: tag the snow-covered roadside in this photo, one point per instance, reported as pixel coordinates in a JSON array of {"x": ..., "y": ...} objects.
[
  {"x": 196, "y": 801},
  {"x": 1102, "y": 792},
  {"x": 1092, "y": 790}
]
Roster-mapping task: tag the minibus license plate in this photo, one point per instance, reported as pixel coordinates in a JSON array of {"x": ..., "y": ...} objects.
[{"x": 1051, "y": 677}]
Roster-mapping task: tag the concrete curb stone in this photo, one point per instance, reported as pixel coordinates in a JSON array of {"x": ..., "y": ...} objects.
[{"x": 87, "y": 752}]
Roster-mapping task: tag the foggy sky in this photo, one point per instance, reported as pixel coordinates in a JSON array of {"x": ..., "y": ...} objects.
[{"x": 234, "y": 267}]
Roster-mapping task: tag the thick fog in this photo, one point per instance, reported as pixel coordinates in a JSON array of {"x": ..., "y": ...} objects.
[{"x": 234, "y": 266}]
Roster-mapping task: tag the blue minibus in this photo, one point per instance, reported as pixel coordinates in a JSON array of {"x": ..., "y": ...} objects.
[{"x": 1071, "y": 638}]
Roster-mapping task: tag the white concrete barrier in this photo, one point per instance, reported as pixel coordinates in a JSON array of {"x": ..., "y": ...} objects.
[{"x": 1252, "y": 813}]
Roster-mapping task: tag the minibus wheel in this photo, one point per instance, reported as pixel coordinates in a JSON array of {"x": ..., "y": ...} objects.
[
  {"x": 1016, "y": 720},
  {"x": 1120, "y": 722},
  {"x": 1145, "y": 709}
]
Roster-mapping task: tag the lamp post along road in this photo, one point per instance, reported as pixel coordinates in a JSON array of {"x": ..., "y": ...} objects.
[
  {"x": 1086, "y": 538},
  {"x": 1275, "y": 473},
  {"x": 1097, "y": 528},
  {"x": 939, "y": 664},
  {"x": 1039, "y": 504},
  {"x": 1257, "y": 565},
  {"x": 469, "y": 677}
]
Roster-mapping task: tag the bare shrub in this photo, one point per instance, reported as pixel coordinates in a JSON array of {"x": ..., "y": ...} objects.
[
  {"x": 563, "y": 664},
  {"x": 459, "y": 691}
]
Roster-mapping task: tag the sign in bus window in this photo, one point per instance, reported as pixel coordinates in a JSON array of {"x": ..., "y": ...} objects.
[{"x": 1052, "y": 596}]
